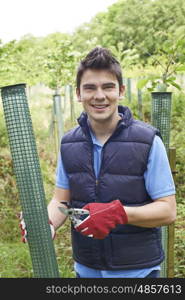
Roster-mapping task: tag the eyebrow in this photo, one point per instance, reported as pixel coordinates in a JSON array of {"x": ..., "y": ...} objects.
[
  {"x": 87, "y": 85},
  {"x": 91, "y": 85},
  {"x": 109, "y": 84}
]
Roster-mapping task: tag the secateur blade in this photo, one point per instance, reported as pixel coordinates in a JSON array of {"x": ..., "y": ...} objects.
[
  {"x": 75, "y": 214},
  {"x": 64, "y": 210}
]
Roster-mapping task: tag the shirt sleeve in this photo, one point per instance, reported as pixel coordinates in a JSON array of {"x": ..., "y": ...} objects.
[
  {"x": 62, "y": 180},
  {"x": 158, "y": 177}
]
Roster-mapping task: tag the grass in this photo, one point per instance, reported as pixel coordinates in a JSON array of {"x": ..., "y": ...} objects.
[{"x": 15, "y": 260}]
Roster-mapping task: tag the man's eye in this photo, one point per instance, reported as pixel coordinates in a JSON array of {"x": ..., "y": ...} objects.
[
  {"x": 89, "y": 88},
  {"x": 108, "y": 87}
]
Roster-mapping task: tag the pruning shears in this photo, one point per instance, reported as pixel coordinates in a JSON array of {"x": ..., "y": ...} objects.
[{"x": 75, "y": 214}]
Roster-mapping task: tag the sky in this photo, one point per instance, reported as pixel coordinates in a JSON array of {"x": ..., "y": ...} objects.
[{"x": 42, "y": 17}]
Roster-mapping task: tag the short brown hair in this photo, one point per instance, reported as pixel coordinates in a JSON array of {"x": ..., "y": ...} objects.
[{"x": 99, "y": 59}]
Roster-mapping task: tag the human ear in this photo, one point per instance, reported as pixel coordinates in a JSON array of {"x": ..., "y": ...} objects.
[
  {"x": 78, "y": 94},
  {"x": 121, "y": 91}
]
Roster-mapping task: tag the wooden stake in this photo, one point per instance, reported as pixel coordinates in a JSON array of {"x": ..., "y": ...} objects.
[{"x": 171, "y": 227}]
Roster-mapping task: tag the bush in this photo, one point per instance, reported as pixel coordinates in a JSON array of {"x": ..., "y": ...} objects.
[{"x": 3, "y": 132}]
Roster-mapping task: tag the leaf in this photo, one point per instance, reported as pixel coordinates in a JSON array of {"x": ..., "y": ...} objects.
[
  {"x": 176, "y": 85},
  {"x": 170, "y": 79},
  {"x": 142, "y": 83},
  {"x": 180, "y": 68}
]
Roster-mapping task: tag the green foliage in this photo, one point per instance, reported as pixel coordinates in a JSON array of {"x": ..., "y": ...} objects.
[
  {"x": 136, "y": 24},
  {"x": 167, "y": 62},
  {"x": 127, "y": 58},
  {"x": 9, "y": 200},
  {"x": 7, "y": 53},
  {"x": 137, "y": 31},
  {"x": 59, "y": 60},
  {"x": 178, "y": 141},
  {"x": 20, "y": 61},
  {"x": 3, "y": 132},
  {"x": 50, "y": 60}
]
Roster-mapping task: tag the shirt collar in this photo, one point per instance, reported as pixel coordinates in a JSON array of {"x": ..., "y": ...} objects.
[{"x": 126, "y": 120}]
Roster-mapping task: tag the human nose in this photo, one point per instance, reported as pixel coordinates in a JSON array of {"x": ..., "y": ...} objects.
[{"x": 99, "y": 94}]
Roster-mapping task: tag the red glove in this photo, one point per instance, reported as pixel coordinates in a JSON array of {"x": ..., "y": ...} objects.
[
  {"x": 103, "y": 217},
  {"x": 22, "y": 225}
]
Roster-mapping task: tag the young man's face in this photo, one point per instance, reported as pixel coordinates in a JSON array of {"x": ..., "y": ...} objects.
[{"x": 99, "y": 93}]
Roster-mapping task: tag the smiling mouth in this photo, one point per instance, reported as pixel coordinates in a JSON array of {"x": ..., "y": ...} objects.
[{"x": 98, "y": 106}]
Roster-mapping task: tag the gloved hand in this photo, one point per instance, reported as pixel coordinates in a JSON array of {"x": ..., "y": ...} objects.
[
  {"x": 102, "y": 218},
  {"x": 22, "y": 225}
]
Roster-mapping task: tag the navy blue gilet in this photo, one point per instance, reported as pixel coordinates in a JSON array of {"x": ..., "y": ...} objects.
[{"x": 124, "y": 161}]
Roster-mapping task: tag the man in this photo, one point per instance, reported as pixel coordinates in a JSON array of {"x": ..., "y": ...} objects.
[{"x": 117, "y": 168}]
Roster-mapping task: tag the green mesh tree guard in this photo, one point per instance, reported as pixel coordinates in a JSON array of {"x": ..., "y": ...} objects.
[
  {"x": 160, "y": 118},
  {"x": 161, "y": 115},
  {"x": 29, "y": 180}
]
